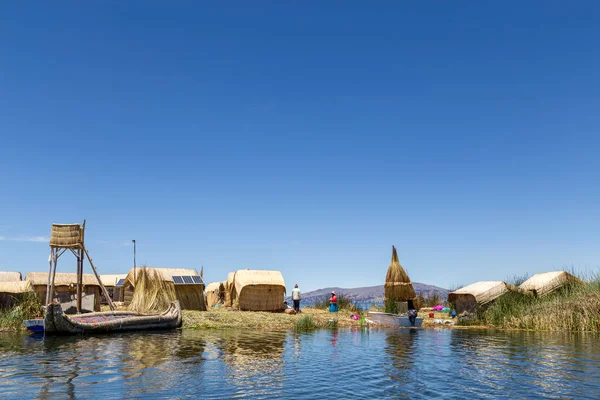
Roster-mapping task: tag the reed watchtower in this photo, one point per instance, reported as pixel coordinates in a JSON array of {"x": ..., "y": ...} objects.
[{"x": 70, "y": 237}]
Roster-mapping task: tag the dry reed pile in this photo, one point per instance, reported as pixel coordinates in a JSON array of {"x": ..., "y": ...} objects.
[
  {"x": 152, "y": 293},
  {"x": 398, "y": 286}
]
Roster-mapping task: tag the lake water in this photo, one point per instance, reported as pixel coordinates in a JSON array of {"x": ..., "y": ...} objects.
[{"x": 428, "y": 363}]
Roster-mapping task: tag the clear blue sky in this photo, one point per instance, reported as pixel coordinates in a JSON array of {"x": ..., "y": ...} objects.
[{"x": 307, "y": 137}]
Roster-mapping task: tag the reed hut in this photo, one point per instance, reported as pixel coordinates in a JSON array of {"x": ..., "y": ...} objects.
[
  {"x": 12, "y": 292},
  {"x": 478, "y": 295},
  {"x": 229, "y": 287},
  {"x": 65, "y": 289},
  {"x": 113, "y": 284},
  {"x": 547, "y": 282},
  {"x": 215, "y": 294},
  {"x": 188, "y": 286},
  {"x": 6, "y": 276},
  {"x": 257, "y": 290},
  {"x": 398, "y": 287}
]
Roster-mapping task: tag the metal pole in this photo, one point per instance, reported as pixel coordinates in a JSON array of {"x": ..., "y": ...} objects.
[{"x": 134, "y": 262}]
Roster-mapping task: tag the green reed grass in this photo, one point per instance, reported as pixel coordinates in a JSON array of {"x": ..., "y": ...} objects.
[
  {"x": 575, "y": 307},
  {"x": 305, "y": 323},
  {"x": 28, "y": 307}
]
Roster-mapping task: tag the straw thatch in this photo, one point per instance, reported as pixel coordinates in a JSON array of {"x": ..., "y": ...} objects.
[
  {"x": 61, "y": 279},
  {"x": 66, "y": 236},
  {"x": 13, "y": 292},
  {"x": 258, "y": 290},
  {"x": 479, "y": 294},
  {"x": 153, "y": 293},
  {"x": 111, "y": 280},
  {"x": 190, "y": 296},
  {"x": 215, "y": 293},
  {"x": 547, "y": 282},
  {"x": 65, "y": 287},
  {"x": 16, "y": 287},
  {"x": 398, "y": 286},
  {"x": 6, "y": 276},
  {"x": 229, "y": 289}
]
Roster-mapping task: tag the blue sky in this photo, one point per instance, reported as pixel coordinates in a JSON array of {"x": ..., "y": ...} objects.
[{"x": 307, "y": 137}]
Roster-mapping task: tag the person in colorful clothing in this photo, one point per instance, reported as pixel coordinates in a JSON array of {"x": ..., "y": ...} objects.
[{"x": 333, "y": 307}]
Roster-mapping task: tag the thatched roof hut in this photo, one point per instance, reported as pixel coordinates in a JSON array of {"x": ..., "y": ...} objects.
[
  {"x": 188, "y": 286},
  {"x": 11, "y": 292},
  {"x": 547, "y": 282},
  {"x": 111, "y": 280},
  {"x": 229, "y": 289},
  {"x": 215, "y": 293},
  {"x": 478, "y": 294},
  {"x": 6, "y": 276},
  {"x": 113, "y": 284},
  {"x": 259, "y": 290},
  {"x": 65, "y": 289},
  {"x": 398, "y": 286}
]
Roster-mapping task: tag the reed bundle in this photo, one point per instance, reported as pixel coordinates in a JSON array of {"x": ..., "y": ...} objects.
[
  {"x": 66, "y": 235},
  {"x": 152, "y": 293},
  {"x": 398, "y": 286}
]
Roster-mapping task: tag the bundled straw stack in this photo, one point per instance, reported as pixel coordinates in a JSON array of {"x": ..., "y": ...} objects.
[
  {"x": 152, "y": 293},
  {"x": 398, "y": 286},
  {"x": 66, "y": 236}
]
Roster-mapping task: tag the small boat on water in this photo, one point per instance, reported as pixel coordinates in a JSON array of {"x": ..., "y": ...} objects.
[
  {"x": 393, "y": 319},
  {"x": 57, "y": 322}
]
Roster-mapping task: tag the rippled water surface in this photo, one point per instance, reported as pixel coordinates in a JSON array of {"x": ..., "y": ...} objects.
[{"x": 341, "y": 364}]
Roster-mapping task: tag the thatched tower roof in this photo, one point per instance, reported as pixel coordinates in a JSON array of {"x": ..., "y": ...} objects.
[
  {"x": 10, "y": 276},
  {"x": 398, "y": 286},
  {"x": 67, "y": 236}
]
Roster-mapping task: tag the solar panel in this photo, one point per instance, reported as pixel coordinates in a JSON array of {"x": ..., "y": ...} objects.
[
  {"x": 187, "y": 280},
  {"x": 120, "y": 283}
]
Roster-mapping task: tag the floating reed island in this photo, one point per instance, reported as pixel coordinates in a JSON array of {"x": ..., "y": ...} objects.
[{"x": 555, "y": 300}]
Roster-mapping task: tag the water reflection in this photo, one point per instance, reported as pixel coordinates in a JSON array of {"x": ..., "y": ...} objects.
[
  {"x": 254, "y": 361},
  {"x": 342, "y": 363}
]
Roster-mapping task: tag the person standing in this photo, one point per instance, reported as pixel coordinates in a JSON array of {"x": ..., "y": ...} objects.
[
  {"x": 412, "y": 316},
  {"x": 333, "y": 307},
  {"x": 296, "y": 297}
]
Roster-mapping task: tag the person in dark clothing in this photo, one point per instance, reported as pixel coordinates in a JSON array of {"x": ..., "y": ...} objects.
[{"x": 412, "y": 316}]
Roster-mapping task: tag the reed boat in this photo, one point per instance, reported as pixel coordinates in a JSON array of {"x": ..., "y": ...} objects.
[
  {"x": 393, "y": 319},
  {"x": 57, "y": 322}
]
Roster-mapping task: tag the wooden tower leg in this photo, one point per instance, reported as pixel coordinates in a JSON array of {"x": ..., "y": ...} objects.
[
  {"x": 50, "y": 260},
  {"x": 55, "y": 259},
  {"x": 104, "y": 291},
  {"x": 79, "y": 278}
]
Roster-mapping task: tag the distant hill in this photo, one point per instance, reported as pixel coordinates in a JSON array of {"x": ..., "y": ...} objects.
[{"x": 370, "y": 293}]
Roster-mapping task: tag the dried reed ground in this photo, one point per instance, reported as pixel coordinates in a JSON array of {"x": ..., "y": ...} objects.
[{"x": 222, "y": 319}]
